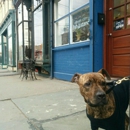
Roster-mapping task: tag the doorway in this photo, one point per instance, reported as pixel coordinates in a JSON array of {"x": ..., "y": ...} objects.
[{"x": 117, "y": 40}]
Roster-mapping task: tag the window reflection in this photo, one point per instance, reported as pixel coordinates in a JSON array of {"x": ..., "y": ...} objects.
[
  {"x": 118, "y": 2},
  {"x": 61, "y": 8},
  {"x": 62, "y": 32},
  {"x": 80, "y": 22},
  {"x": 19, "y": 13},
  {"x": 38, "y": 34},
  {"x": 9, "y": 29},
  {"x": 25, "y": 12},
  {"x": 10, "y": 51},
  {"x": 128, "y": 9},
  {"x": 128, "y": 22},
  {"x": 77, "y": 3},
  {"x": 119, "y": 12},
  {"x": 36, "y": 3},
  {"x": 0, "y": 53},
  {"x": 20, "y": 38},
  {"x": 5, "y": 53}
]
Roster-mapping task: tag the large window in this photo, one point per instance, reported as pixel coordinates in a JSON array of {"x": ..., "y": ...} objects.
[
  {"x": 71, "y": 21},
  {"x": 20, "y": 36},
  {"x": 10, "y": 51},
  {"x": 38, "y": 34},
  {"x": 0, "y": 50}
]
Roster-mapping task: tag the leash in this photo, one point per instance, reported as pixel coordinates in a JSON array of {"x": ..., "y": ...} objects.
[{"x": 115, "y": 83}]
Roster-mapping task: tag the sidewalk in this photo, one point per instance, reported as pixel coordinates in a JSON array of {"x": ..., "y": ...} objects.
[{"x": 42, "y": 104}]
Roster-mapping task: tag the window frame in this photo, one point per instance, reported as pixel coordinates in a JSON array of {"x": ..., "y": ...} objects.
[{"x": 69, "y": 15}]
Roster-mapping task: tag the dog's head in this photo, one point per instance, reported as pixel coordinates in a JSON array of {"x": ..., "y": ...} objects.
[{"x": 93, "y": 87}]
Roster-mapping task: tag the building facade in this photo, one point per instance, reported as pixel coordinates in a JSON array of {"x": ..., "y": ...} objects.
[
  {"x": 7, "y": 35},
  {"x": 72, "y": 36}
]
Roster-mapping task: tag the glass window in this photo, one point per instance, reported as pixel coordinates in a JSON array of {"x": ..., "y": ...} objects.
[
  {"x": 0, "y": 53},
  {"x": 20, "y": 38},
  {"x": 5, "y": 53},
  {"x": 10, "y": 51},
  {"x": 26, "y": 40},
  {"x": 19, "y": 13},
  {"x": 128, "y": 9},
  {"x": 71, "y": 26},
  {"x": 119, "y": 12},
  {"x": 80, "y": 25},
  {"x": 25, "y": 12},
  {"x": 36, "y": 3},
  {"x": 118, "y": 2},
  {"x": 9, "y": 29},
  {"x": 38, "y": 34},
  {"x": 62, "y": 32},
  {"x": 61, "y": 8},
  {"x": 77, "y": 3},
  {"x": 128, "y": 22}
]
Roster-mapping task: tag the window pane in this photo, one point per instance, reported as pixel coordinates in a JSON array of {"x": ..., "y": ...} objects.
[
  {"x": 128, "y": 9},
  {"x": 119, "y": 12},
  {"x": 119, "y": 24},
  {"x": 10, "y": 51},
  {"x": 5, "y": 53},
  {"x": 80, "y": 28},
  {"x": 118, "y": 2},
  {"x": 61, "y": 8},
  {"x": 25, "y": 12},
  {"x": 20, "y": 40},
  {"x": 128, "y": 22},
  {"x": 62, "y": 32},
  {"x": 36, "y": 3},
  {"x": 38, "y": 34},
  {"x": 9, "y": 29},
  {"x": 0, "y": 53},
  {"x": 19, "y": 14},
  {"x": 77, "y": 3}
]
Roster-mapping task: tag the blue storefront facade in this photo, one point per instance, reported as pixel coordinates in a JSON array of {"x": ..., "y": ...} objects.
[
  {"x": 85, "y": 55},
  {"x": 72, "y": 36},
  {"x": 66, "y": 39}
]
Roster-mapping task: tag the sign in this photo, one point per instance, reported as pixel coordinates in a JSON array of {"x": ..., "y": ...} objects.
[{"x": 119, "y": 24}]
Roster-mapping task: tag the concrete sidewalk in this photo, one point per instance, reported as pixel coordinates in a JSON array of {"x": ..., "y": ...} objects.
[{"x": 42, "y": 104}]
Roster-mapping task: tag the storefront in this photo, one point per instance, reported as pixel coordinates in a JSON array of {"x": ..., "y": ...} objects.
[
  {"x": 7, "y": 42},
  {"x": 33, "y": 33},
  {"x": 72, "y": 36},
  {"x": 78, "y": 46},
  {"x": 59, "y": 34}
]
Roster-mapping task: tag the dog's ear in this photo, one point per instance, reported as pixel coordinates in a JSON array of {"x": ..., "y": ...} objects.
[
  {"x": 104, "y": 73},
  {"x": 75, "y": 78}
]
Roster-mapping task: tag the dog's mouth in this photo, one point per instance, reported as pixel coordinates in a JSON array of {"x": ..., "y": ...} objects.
[{"x": 97, "y": 104}]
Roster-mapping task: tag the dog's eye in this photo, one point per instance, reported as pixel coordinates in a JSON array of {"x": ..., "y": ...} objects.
[{"x": 87, "y": 84}]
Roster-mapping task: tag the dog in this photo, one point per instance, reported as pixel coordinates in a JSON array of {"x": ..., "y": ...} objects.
[{"x": 106, "y": 102}]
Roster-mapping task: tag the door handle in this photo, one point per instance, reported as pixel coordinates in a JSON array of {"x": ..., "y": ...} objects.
[{"x": 110, "y": 34}]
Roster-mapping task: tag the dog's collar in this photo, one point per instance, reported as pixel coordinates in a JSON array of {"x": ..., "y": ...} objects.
[
  {"x": 112, "y": 84},
  {"x": 115, "y": 83}
]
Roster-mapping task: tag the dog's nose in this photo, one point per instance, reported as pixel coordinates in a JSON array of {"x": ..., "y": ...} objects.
[{"x": 100, "y": 95}]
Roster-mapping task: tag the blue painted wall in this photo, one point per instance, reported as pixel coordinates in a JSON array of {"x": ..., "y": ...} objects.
[
  {"x": 98, "y": 36},
  {"x": 71, "y": 60},
  {"x": 82, "y": 57}
]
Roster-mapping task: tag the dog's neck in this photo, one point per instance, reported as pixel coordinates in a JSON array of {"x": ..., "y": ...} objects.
[{"x": 105, "y": 111}]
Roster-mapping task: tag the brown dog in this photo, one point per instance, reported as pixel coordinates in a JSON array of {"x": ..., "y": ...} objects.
[{"x": 105, "y": 107}]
